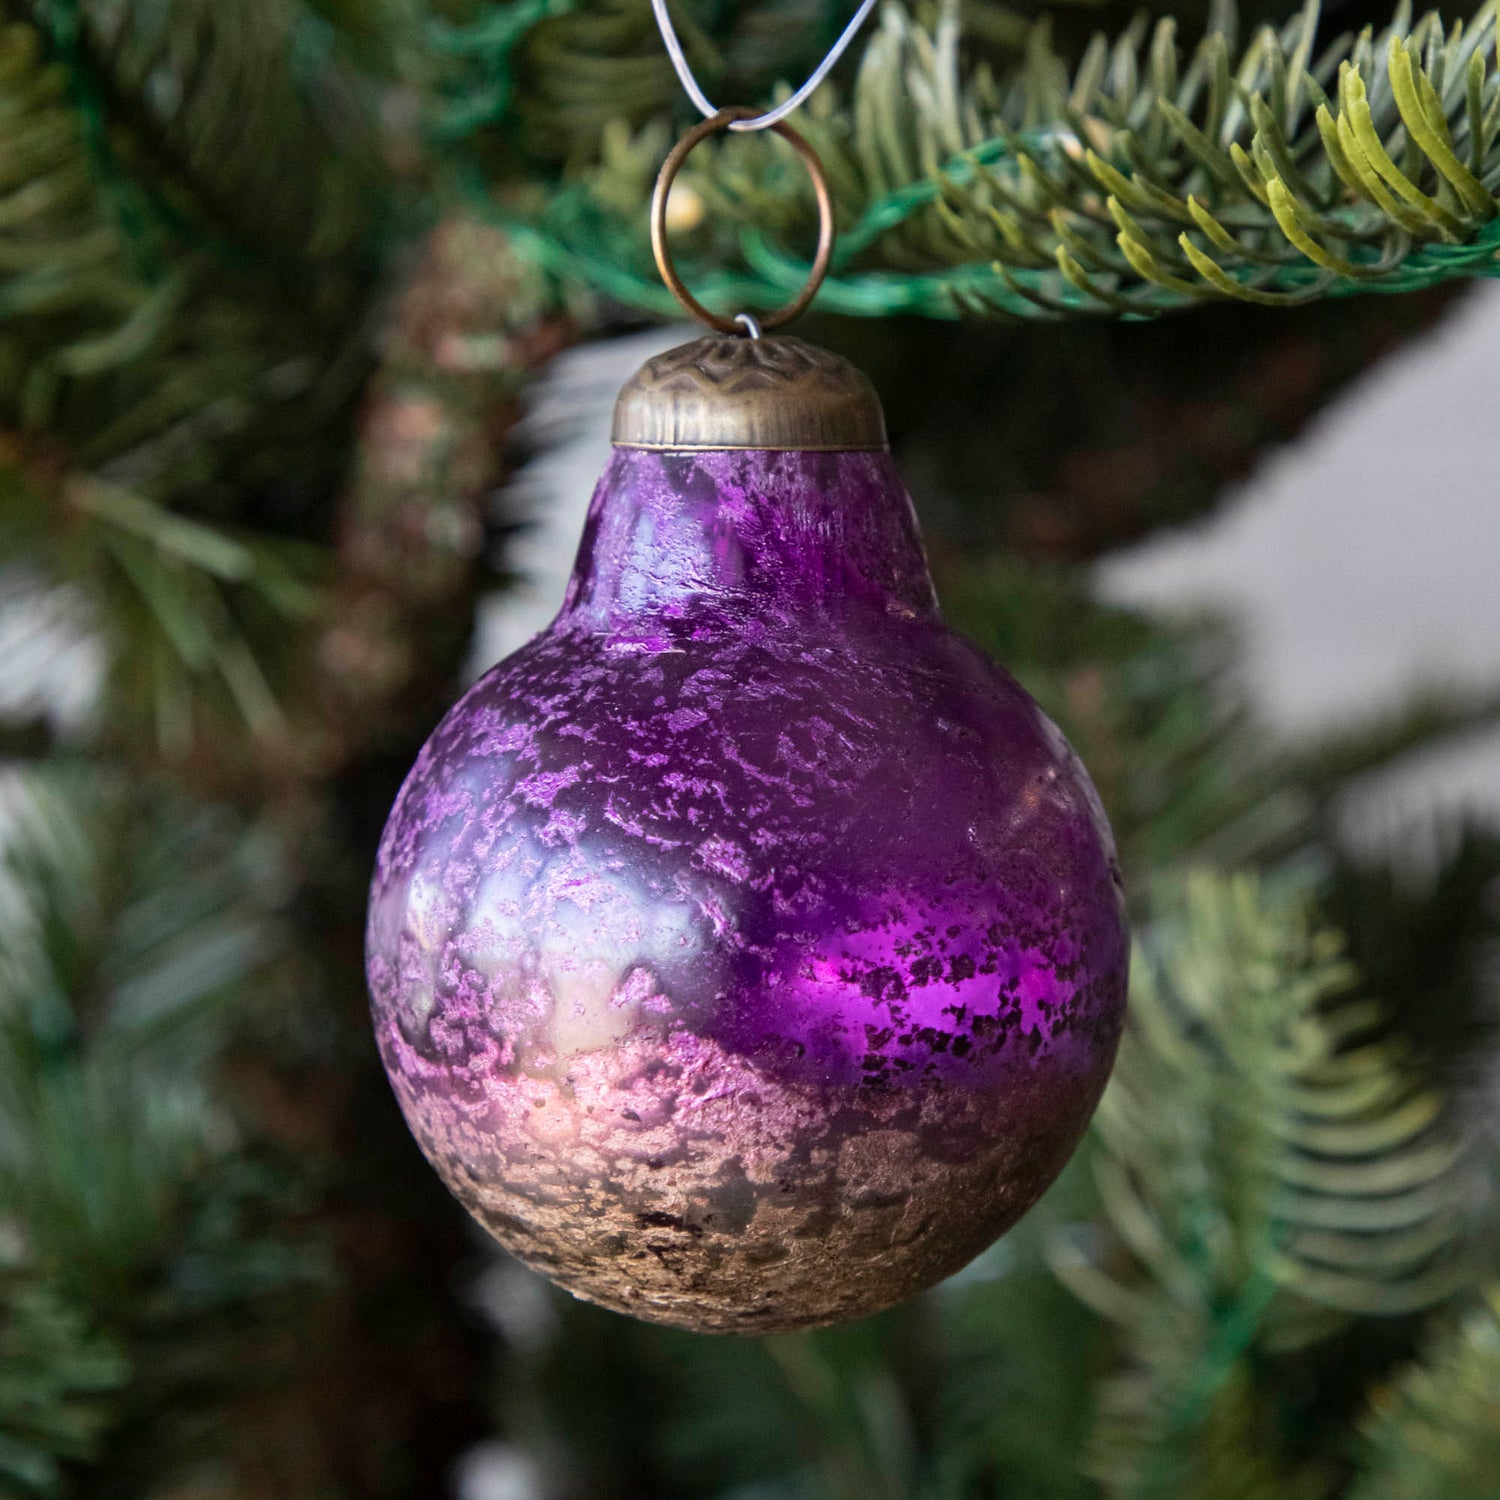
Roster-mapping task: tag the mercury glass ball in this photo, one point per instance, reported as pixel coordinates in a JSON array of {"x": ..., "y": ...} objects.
[{"x": 747, "y": 950}]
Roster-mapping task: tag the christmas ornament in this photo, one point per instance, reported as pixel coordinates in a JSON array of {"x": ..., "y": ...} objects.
[{"x": 747, "y": 950}]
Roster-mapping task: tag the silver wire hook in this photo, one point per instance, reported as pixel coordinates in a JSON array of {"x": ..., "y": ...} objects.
[{"x": 771, "y": 116}]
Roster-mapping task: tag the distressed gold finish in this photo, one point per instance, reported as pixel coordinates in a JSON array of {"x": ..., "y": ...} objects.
[
  {"x": 821, "y": 257},
  {"x": 726, "y": 391},
  {"x": 695, "y": 1189}
]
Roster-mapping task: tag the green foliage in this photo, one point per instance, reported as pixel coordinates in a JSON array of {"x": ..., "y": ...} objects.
[
  {"x": 113, "y": 986},
  {"x": 187, "y": 211},
  {"x": 1020, "y": 1357},
  {"x": 1273, "y": 1164},
  {"x": 181, "y": 233},
  {"x": 836, "y": 1399},
  {"x": 56, "y": 1377},
  {"x": 1142, "y": 179},
  {"x": 1435, "y": 1433},
  {"x": 127, "y": 1197},
  {"x": 1430, "y": 934},
  {"x": 469, "y": 64},
  {"x": 193, "y": 616},
  {"x": 592, "y": 69},
  {"x": 1147, "y": 178}
]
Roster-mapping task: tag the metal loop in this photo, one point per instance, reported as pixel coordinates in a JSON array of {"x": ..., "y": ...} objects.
[{"x": 662, "y": 251}]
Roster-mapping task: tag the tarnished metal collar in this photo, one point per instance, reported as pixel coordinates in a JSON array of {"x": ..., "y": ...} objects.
[{"x": 727, "y": 391}]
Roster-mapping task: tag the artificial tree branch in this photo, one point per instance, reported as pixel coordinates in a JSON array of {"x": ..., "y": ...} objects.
[{"x": 1145, "y": 178}]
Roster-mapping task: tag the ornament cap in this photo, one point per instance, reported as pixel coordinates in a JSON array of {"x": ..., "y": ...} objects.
[{"x": 727, "y": 391}]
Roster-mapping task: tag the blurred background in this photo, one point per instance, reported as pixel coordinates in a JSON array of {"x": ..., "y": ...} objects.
[{"x": 312, "y": 313}]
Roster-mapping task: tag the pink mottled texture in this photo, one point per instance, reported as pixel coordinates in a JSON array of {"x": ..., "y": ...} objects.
[{"x": 747, "y": 950}]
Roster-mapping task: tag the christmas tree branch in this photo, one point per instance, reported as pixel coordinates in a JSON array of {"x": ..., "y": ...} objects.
[
  {"x": 1147, "y": 177},
  {"x": 1303, "y": 1175},
  {"x": 186, "y": 209},
  {"x": 1434, "y": 1435},
  {"x": 60, "y": 1379},
  {"x": 137, "y": 931},
  {"x": 183, "y": 235}
]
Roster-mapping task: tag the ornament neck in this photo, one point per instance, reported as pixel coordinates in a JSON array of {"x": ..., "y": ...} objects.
[{"x": 752, "y": 531}]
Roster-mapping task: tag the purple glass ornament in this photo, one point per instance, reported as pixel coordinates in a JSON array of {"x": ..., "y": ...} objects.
[{"x": 747, "y": 950}]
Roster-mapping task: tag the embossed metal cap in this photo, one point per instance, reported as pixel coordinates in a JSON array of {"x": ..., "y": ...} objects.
[{"x": 727, "y": 391}]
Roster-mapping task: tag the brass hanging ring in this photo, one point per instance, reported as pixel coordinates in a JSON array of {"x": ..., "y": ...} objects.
[{"x": 673, "y": 165}]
